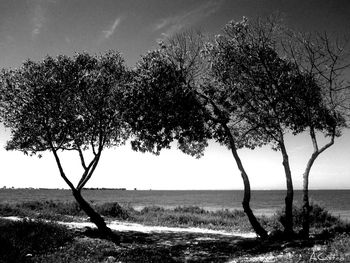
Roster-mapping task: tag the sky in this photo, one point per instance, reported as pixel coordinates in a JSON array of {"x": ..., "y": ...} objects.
[{"x": 32, "y": 29}]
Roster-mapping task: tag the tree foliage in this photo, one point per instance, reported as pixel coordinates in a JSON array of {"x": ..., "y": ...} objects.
[
  {"x": 325, "y": 62},
  {"x": 162, "y": 108},
  {"x": 273, "y": 93},
  {"x": 171, "y": 87},
  {"x": 263, "y": 85},
  {"x": 67, "y": 104}
]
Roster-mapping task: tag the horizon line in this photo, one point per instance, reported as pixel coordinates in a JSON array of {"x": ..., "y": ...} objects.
[{"x": 150, "y": 189}]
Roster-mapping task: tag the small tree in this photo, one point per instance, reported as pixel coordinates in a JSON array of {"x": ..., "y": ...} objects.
[
  {"x": 245, "y": 61},
  {"x": 170, "y": 91},
  {"x": 67, "y": 104},
  {"x": 325, "y": 63},
  {"x": 266, "y": 87}
]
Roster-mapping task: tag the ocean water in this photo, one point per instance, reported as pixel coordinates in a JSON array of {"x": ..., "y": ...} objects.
[{"x": 265, "y": 202}]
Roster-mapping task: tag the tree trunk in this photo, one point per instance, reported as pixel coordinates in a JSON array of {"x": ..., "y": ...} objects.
[
  {"x": 93, "y": 215},
  {"x": 259, "y": 230},
  {"x": 306, "y": 204},
  {"x": 288, "y": 224}
]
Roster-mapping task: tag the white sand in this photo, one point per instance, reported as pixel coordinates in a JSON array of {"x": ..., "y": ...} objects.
[
  {"x": 126, "y": 226},
  {"x": 265, "y": 258}
]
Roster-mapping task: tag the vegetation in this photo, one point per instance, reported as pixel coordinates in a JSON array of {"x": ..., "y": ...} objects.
[
  {"x": 245, "y": 63},
  {"x": 183, "y": 216},
  {"x": 176, "y": 72},
  {"x": 41, "y": 241},
  {"x": 326, "y": 62},
  {"x": 321, "y": 221},
  {"x": 274, "y": 95},
  {"x": 67, "y": 104},
  {"x": 180, "y": 216},
  {"x": 19, "y": 241},
  {"x": 244, "y": 89}
]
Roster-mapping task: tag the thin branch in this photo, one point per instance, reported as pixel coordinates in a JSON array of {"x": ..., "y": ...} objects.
[
  {"x": 89, "y": 173},
  {"x": 58, "y": 162},
  {"x": 314, "y": 139},
  {"x": 325, "y": 147},
  {"x": 81, "y": 158},
  {"x": 86, "y": 172}
]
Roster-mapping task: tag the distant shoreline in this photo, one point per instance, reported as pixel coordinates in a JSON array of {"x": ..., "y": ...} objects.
[{"x": 135, "y": 189}]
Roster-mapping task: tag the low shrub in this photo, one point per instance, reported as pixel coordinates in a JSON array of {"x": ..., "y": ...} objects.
[
  {"x": 152, "y": 209},
  {"x": 319, "y": 218},
  {"x": 10, "y": 210},
  {"x": 190, "y": 209},
  {"x": 22, "y": 238},
  {"x": 113, "y": 210}
]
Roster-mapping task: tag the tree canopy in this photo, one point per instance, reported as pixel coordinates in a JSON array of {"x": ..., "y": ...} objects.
[
  {"x": 67, "y": 104},
  {"x": 162, "y": 109},
  {"x": 269, "y": 90}
]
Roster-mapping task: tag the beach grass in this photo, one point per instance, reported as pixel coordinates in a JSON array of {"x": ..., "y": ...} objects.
[
  {"x": 36, "y": 240},
  {"x": 181, "y": 216}
]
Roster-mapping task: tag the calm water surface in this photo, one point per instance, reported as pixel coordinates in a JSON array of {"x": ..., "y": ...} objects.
[{"x": 263, "y": 202}]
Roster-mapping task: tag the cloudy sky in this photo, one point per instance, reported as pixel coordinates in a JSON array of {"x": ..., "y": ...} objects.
[{"x": 35, "y": 28}]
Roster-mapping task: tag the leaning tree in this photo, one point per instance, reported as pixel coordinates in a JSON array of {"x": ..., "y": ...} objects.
[
  {"x": 247, "y": 59},
  {"x": 281, "y": 91},
  {"x": 244, "y": 61},
  {"x": 324, "y": 61},
  {"x": 175, "y": 103},
  {"x": 67, "y": 104}
]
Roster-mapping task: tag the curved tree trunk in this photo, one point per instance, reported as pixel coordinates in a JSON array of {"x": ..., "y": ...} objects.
[
  {"x": 306, "y": 204},
  {"x": 93, "y": 215},
  {"x": 259, "y": 230},
  {"x": 288, "y": 224}
]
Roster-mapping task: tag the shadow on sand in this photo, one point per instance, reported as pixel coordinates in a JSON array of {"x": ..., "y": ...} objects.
[{"x": 188, "y": 247}]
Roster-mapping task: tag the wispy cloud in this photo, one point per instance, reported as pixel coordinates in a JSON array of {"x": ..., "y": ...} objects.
[
  {"x": 111, "y": 29},
  {"x": 173, "y": 24},
  {"x": 38, "y": 19}
]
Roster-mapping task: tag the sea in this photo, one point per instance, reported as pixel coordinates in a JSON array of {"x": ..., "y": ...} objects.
[{"x": 263, "y": 202}]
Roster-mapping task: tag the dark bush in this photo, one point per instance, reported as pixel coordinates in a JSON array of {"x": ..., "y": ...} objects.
[
  {"x": 112, "y": 210},
  {"x": 10, "y": 210},
  {"x": 235, "y": 214},
  {"x": 190, "y": 209},
  {"x": 67, "y": 208},
  {"x": 319, "y": 217},
  {"x": 18, "y": 239},
  {"x": 152, "y": 209}
]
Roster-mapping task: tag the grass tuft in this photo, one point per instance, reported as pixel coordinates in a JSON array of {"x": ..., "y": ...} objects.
[{"x": 20, "y": 239}]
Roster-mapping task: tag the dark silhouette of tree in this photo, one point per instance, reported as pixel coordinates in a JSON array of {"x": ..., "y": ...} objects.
[
  {"x": 245, "y": 61},
  {"x": 170, "y": 90},
  {"x": 67, "y": 104},
  {"x": 325, "y": 62},
  {"x": 278, "y": 94}
]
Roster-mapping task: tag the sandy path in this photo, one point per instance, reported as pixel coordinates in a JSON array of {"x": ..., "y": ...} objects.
[{"x": 127, "y": 226}]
